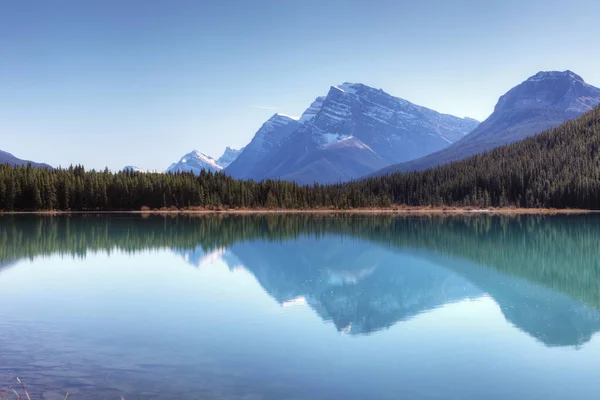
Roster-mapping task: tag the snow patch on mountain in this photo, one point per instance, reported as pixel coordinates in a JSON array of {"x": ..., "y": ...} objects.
[
  {"x": 313, "y": 110},
  {"x": 133, "y": 168},
  {"x": 229, "y": 156},
  {"x": 195, "y": 162},
  {"x": 343, "y": 135},
  {"x": 333, "y": 137},
  {"x": 288, "y": 116},
  {"x": 347, "y": 87}
]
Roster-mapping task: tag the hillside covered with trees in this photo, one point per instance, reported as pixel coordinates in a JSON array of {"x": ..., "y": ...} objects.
[{"x": 559, "y": 168}]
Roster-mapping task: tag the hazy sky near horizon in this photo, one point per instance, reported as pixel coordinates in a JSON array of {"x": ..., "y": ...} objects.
[{"x": 142, "y": 82}]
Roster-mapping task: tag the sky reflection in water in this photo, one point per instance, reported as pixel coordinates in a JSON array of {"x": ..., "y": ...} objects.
[{"x": 300, "y": 308}]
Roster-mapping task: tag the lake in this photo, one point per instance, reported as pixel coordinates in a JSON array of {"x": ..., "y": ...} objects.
[{"x": 301, "y": 307}]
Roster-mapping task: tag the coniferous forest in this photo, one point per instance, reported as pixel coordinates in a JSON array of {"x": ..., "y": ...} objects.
[{"x": 559, "y": 168}]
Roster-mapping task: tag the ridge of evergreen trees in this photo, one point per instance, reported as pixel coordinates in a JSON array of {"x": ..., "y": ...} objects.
[{"x": 559, "y": 168}]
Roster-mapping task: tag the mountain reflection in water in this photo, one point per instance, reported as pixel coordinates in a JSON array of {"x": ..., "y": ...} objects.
[{"x": 365, "y": 274}]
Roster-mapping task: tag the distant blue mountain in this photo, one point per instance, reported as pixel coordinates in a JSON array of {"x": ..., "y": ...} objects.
[
  {"x": 195, "y": 162},
  {"x": 544, "y": 101},
  {"x": 252, "y": 163},
  {"x": 229, "y": 156},
  {"x": 352, "y": 131},
  {"x": 7, "y": 158}
]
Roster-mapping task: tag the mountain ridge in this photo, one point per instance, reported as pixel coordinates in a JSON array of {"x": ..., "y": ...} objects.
[
  {"x": 229, "y": 155},
  {"x": 543, "y": 101},
  {"x": 195, "y": 162},
  {"x": 268, "y": 137},
  {"x": 352, "y": 130},
  {"x": 8, "y": 158}
]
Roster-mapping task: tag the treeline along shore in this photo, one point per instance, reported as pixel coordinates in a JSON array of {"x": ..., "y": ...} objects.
[{"x": 559, "y": 168}]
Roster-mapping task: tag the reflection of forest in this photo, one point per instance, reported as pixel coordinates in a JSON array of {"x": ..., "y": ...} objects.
[{"x": 367, "y": 273}]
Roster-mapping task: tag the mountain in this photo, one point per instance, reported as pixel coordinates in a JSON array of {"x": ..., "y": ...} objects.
[
  {"x": 559, "y": 168},
  {"x": 7, "y": 158},
  {"x": 352, "y": 131},
  {"x": 251, "y": 163},
  {"x": 229, "y": 156},
  {"x": 543, "y": 101},
  {"x": 133, "y": 168},
  {"x": 195, "y": 162}
]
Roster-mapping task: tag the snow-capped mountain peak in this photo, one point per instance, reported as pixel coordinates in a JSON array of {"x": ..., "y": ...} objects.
[
  {"x": 351, "y": 131},
  {"x": 288, "y": 116},
  {"x": 350, "y": 109},
  {"x": 133, "y": 168},
  {"x": 313, "y": 110},
  {"x": 279, "y": 119},
  {"x": 350, "y": 88},
  {"x": 229, "y": 156},
  {"x": 195, "y": 162},
  {"x": 198, "y": 156}
]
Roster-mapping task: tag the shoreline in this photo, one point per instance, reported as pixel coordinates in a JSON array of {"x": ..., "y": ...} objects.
[{"x": 366, "y": 211}]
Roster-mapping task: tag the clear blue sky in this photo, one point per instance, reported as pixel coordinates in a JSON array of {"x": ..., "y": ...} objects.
[{"x": 116, "y": 82}]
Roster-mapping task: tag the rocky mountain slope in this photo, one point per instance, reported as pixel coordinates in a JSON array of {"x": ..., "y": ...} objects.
[
  {"x": 253, "y": 161},
  {"x": 352, "y": 131},
  {"x": 544, "y": 101}
]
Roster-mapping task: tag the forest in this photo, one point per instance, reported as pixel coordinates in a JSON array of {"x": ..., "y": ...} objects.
[{"x": 559, "y": 168}]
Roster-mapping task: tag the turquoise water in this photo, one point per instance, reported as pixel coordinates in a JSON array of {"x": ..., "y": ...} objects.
[{"x": 300, "y": 307}]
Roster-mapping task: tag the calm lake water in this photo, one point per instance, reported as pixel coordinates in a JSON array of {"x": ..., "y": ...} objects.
[{"x": 300, "y": 307}]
